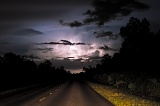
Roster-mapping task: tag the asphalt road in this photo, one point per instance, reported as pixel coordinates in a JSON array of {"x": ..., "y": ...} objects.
[{"x": 72, "y": 93}]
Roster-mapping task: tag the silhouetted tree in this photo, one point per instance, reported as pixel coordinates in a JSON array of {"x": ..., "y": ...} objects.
[
  {"x": 138, "y": 55},
  {"x": 139, "y": 48},
  {"x": 17, "y": 71},
  {"x": 45, "y": 67}
]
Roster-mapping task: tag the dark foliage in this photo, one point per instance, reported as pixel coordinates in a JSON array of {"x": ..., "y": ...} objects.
[
  {"x": 139, "y": 52},
  {"x": 18, "y": 71}
]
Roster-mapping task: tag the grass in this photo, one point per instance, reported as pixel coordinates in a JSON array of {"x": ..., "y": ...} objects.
[{"x": 121, "y": 99}]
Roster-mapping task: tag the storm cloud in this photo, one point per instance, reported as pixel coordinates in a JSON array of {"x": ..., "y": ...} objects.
[
  {"x": 33, "y": 27},
  {"x": 28, "y": 32},
  {"x": 107, "y": 10},
  {"x": 62, "y": 42}
]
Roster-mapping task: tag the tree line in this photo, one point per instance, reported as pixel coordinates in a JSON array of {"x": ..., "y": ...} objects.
[{"x": 17, "y": 71}]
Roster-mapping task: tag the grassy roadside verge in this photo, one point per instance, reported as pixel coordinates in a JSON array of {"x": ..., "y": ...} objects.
[{"x": 120, "y": 99}]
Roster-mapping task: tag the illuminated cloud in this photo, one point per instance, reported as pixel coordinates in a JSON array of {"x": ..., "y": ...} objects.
[
  {"x": 95, "y": 56},
  {"x": 107, "y": 48},
  {"x": 44, "y": 50}
]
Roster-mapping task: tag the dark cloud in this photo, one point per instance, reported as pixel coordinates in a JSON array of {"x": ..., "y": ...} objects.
[
  {"x": 62, "y": 42},
  {"x": 103, "y": 34},
  {"x": 48, "y": 43},
  {"x": 72, "y": 24},
  {"x": 66, "y": 42},
  {"x": 106, "y": 10},
  {"x": 16, "y": 29},
  {"x": 28, "y": 32},
  {"x": 107, "y": 48}
]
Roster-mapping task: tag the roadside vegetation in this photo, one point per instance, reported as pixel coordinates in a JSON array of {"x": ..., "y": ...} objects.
[{"x": 119, "y": 98}]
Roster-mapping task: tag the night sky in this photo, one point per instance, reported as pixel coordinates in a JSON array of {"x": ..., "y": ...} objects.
[{"x": 32, "y": 28}]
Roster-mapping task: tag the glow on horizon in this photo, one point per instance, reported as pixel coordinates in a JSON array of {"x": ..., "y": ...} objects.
[{"x": 75, "y": 71}]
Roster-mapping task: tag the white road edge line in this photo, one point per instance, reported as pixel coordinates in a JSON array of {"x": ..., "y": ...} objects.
[{"x": 40, "y": 100}]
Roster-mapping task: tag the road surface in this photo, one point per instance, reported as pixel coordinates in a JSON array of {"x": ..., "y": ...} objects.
[{"x": 72, "y": 93}]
